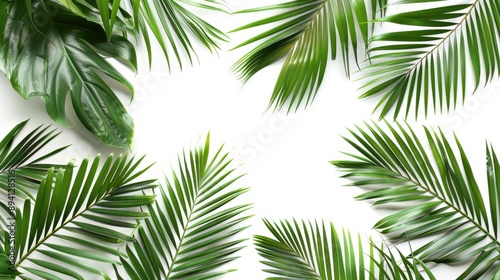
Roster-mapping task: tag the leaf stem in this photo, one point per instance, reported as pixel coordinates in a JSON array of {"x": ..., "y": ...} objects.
[
  {"x": 184, "y": 228},
  {"x": 444, "y": 39},
  {"x": 52, "y": 232},
  {"x": 454, "y": 207}
]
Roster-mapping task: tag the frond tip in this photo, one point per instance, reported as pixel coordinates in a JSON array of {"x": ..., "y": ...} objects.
[
  {"x": 308, "y": 34},
  {"x": 193, "y": 226},
  {"x": 175, "y": 23},
  {"x": 20, "y": 161},
  {"x": 434, "y": 190}
]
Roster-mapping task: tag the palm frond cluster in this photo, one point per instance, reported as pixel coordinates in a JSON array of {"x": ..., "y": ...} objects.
[
  {"x": 64, "y": 46},
  {"x": 76, "y": 222},
  {"x": 431, "y": 190},
  {"x": 442, "y": 51}
]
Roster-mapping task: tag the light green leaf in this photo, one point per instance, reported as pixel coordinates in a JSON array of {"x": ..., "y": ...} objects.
[{"x": 19, "y": 167}]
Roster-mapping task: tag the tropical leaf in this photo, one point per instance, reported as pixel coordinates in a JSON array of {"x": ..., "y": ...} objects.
[
  {"x": 445, "y": 51},
  {"x": 306, "y": 250},
  {"x": 437, "y": 192},
  {"x": 79, "y": 216},
  {"x": 192, "y": 227},
  {"x": 59, "y": 53},
  {"x": 307, "y": 33},
  {"x": 21, "y": 168},
  {"x": 174, "y": 23},
  {"x": 109, "y": 14}
]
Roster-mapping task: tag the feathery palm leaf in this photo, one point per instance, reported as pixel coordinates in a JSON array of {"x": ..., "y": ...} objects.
[
  {"x": 19, "y": 164},
  {"x": 447, "y": 47},
  {"x": 307, "y": 33},
  {"x": 174, "y": 23},
  {"x": 77, "y": 219},
  {"x": 305, "y": 250},
  {"x": 437, "y": 191},
  {"x": 57, "y": 54},
  {"x": 108, "y": 16},
  {"x": 191, "y": 228}
]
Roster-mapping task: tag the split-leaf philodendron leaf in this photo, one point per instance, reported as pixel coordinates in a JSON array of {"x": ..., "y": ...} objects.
[{"x": 47, "y": 51}]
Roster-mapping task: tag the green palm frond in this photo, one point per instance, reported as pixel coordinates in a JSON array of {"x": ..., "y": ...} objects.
[
  {"x": 79, "y": 216},
  {"x": 109, "y": 13},
  {"x": 437, "y": 192},
  {"x": 306, "y": 250},
  {"x": 192, "y": 227},
  {"x": 175, "y": 22},
  {"x": 447, "y": 50},
  {"x": 21, "y": 170},
  {"x": 308, "y": 33}
]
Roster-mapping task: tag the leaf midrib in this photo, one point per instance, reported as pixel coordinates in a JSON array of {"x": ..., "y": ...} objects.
[
  {"x": 308, "y": 26},
  {"x": 54, "y": 231},
  {"x": 184, "y": 229},
  {"x": 454, "y": 207},
  {"x": 459, "y": 24},
  {"x": 306, "y": 261}
]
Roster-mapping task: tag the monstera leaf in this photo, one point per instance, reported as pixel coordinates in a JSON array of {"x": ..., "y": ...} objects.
[{"x": 48, "y": 52}]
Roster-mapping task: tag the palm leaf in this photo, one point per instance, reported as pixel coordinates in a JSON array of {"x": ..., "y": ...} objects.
[
  {"x": 66, "y": 46},
  {"x": 108, "y": 16},
  {"x": 192, "y": 227},
  {"x": 21, "y": 168},
  {"x": 447, "y": 50},
  {"x": 78, "y": 218},
  {"x": 306, "y": 250},
  {"x": 174, "y": 23},
  {"x": 437, "y": 192},
  {"x": 307, "y": 33}
]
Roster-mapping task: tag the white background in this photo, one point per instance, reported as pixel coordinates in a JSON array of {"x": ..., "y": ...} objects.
[{"x": 286, "y": 157}]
